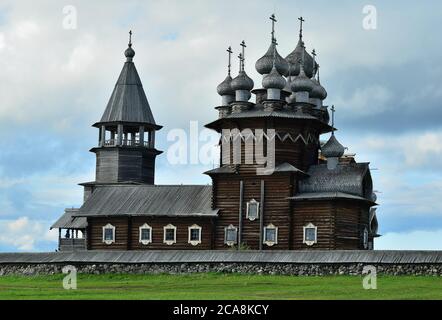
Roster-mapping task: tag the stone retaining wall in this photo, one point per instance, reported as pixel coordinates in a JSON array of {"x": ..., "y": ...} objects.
[{"x": 241, "y": 268}]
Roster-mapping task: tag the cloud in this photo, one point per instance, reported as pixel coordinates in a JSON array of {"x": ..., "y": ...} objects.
[
  {"x": 24, "y": 234},
  {"x": 400, "y": 152},
  {"x": 56, "y": 83},
  {"x": 415, "y": 240},
  {"x": 370, "y": 100}
]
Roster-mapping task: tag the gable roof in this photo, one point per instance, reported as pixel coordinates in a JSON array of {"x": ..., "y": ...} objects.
[{"x": 142, "y": 200}]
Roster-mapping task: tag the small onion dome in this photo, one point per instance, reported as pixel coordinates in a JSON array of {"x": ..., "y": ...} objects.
[
  {"x": 318, "y": 90},
  {"x": 294, "y": 61},
  {"x": 274, "y": 80},
  {"x": 225, "y": 87},
  {"x": 242, "y": 82},
  {"x": 302, "y": 83},
  {"x": 265, "y": 64},
  {"x": 332, "y": 149},
  {"x": 129, "y": 53},
  {"x": 374, "y": 197}
]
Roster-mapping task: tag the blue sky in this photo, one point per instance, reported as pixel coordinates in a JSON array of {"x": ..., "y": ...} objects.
[{"x": 385, "y": 84}]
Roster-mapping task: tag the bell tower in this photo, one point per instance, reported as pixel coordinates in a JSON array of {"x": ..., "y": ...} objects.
[{"x": 126, "y": 146}]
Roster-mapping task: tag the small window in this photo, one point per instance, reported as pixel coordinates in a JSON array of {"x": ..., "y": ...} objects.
[
  {"x": 194, "y": 235},
  {"x": 365, "y": 238},
  {"x": 169, "y": 234},
  {"x": 310, "y": 234},
  {"x": 145, "y": 234},
  {"x": 270, "y": 235},
  {"x": 108, "y": 234},
  {"x": 230, "y": 235},
  {"x": 252, "y": 210}
]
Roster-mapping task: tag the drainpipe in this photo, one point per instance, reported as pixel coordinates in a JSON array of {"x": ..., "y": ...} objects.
[
  {"x": 261, "y": 217},
  {"x": 241, "y": 193}
]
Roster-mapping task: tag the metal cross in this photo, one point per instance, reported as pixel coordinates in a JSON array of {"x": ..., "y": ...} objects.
[
  {"x": 273, "y": 18},
  {"x": 130, "y": 38},
  {"x": 229, "y": 50},
  {"x": 314, "y": 62},
  {"x": 243, "y": 45},
  {"x": 333, "y": 118},
  {"x": 301, "y": 20},
  {"x": 241, "y": 60}
]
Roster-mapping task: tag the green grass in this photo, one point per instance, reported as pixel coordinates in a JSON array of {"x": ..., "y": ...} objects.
[{"x": 219, "y": 286}]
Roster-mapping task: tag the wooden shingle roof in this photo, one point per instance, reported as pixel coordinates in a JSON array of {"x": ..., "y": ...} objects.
[
  {"x": 348, "y": 178},
  {"x": 142, "y": 200},
  {"x": 229, "y": 256},
  {"x": 128, "y": 102},
  {"x": 68, "y": 221}
]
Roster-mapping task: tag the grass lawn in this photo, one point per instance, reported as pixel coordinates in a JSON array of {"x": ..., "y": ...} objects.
[{"x": 219, "y": 286}]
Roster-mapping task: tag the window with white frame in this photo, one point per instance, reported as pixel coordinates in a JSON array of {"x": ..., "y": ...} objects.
[
  {"x": 108, "y": 234},
  {"x": 252, "y": 212},
  {"x": 169, "y": 234},
  {"x": 310, "y": 234},
  {"x": 270, "y": 235},
  {"x": 145, "y": 234},
  {"x": 230, "y": 235},
  {"x": 365, "y": 238},
  {"x": 194, "y": 235}
]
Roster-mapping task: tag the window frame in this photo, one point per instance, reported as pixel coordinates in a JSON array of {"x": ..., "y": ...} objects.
[
  {"x": 143, "y": 241},
  {"x": 194, "y": 227},
  {"x": 169, "y": 242},
  {"x": 310, "y": 242},
  {"x": 106, "y": 227},
  {"x": 253, "y": 201},
  {"x": 226, "y": 229},
  {"x": 268, "y": 242}
]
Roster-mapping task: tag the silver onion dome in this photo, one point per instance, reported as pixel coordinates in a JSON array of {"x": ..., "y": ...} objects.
[
  {"x": 332, "y": 149},
  {"x": 264, "y": 65},
  {"x": 225, "y": 87},
  {"x": 318, "y": 90},
  {"x": 294, "y": 61},
  {"x": 129, "y": 53},
  {"x": 302, "y": 83},
  {"x": 274, "y": 80},
  {"x": 242, "y": 82}
]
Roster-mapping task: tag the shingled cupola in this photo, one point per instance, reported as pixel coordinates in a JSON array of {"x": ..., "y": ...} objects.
[
  {"x": 332, "y": 150},
  {"x": 126, "y": 145},
  {"x": 242, "y": 84}
]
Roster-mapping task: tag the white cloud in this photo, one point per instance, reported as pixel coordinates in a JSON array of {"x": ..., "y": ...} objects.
[
  {"x": 26, "y": 29},
  {"x": 410, "y": 150},
  {"x": 23, "y": 233},
  {"x": 58, "y": 81},
  {"x": 18, "y": 224},
  {"x": 2, "y": 41},
  {"x": 414, "y": 240}
]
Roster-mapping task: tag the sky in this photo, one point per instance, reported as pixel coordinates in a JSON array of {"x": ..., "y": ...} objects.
[{"x": 59, "y": 62}]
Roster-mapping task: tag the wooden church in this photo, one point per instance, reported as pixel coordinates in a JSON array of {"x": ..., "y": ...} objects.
[{"x": 314, "y": 197}]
